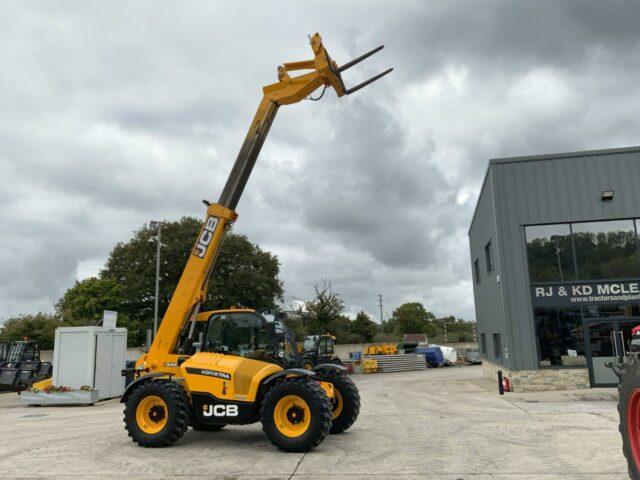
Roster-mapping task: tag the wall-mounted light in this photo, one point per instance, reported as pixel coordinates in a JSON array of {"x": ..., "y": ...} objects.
[{"x": 607, "y": 195}]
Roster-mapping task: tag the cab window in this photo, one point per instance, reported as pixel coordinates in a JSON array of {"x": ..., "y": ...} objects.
[
  {"x": 236, "y": 333},
  {"x": 330, "y": 346},
  {"x": 326, "y": 346}
]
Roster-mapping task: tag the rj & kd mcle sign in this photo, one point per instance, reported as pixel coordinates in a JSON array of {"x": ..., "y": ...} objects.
[{"x": 575, "y": 294}]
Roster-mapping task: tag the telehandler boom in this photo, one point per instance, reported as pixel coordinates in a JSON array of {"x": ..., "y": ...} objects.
[{"x": 228, "y": 384}]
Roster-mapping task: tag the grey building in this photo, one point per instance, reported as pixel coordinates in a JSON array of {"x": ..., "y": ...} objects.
[{"x": 556, "y": 266}]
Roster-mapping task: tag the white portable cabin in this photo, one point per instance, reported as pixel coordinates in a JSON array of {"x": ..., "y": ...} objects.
[{"x": 92, "y": 356}]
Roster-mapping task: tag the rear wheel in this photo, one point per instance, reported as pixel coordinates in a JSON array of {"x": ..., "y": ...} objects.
[
  {"x": 346, "y": 401},
  {"x": 156, "y": 414},
  {"x": 296, "y": 414}
]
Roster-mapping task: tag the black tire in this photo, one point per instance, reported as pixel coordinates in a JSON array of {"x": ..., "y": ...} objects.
[
  {"x": 208, "y": 428},
  {"x": 175, "y": 416},
  {"x": 346, "y": 390},
  {"x": 319, "y": 411},
  {"x": 629, "y": 389}
]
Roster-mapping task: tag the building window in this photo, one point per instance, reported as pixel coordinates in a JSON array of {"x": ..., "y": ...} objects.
[
  {"x": 497, "y": 346},
  {"x": 550, "y": 253},
  {"x": 488, "y": 255},
  {"x": 483, "y": 344},
  {"x": 560, "y": 338},
  {"x": 583, "y": 251},
  {"x": 476, "y": 270},
  {"x": 606, "y": 250}
]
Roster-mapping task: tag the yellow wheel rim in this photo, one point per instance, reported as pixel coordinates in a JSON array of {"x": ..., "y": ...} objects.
[
  {"x": 151, "y": 414},
  {"x": 292, "y": 416},
  {"x": 337, "y": 404},
  {"x": 308, "y": 366}
]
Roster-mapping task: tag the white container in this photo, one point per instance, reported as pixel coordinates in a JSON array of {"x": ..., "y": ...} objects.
[
  {"x": 92, "y": 356},
  {"x": 449, "y": 353}
]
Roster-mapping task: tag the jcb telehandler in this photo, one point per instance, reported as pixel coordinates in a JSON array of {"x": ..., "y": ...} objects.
[
  {"x": 318, "y": 350},
  {"x": 236, "y": 378}
]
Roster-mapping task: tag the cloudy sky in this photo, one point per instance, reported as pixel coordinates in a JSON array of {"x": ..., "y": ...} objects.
[{"x": 116, "y": 113}]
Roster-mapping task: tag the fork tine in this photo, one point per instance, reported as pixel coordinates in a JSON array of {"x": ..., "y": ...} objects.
[
  {"x": 351, "y": 90},
  {"x": 359, "y": 59}
]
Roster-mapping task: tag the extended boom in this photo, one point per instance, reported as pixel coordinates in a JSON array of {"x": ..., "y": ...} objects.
[{"x": 191, "y": 290}]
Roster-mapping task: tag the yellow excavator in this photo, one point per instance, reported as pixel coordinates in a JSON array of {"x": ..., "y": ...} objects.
[{"x": 235, "y": 374}]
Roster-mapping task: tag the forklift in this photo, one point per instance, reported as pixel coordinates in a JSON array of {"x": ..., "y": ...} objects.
[
  {"x": 237, "y": 377},
  {"x": 318, "y": 350},
  {"x": 20, "y": 365}
]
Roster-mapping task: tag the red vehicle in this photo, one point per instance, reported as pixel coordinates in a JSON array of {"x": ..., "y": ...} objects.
[{"x": 629, "y": 404}]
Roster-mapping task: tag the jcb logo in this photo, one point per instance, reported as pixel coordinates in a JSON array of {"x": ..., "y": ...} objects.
[
  {"x": 205, "y": 237},
  {"x": 220, "y": 410}
]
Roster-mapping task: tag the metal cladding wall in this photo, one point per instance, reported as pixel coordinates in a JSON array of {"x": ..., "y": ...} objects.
[
  {"x": 535, "y": 190},
  {"x": 488, "y": 293}
]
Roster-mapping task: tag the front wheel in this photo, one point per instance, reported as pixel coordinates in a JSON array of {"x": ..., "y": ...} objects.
[
  {"x": 296, "y": 414},
  {"x": 157, "y": 414},
  {"x": 629, "y": 411}
]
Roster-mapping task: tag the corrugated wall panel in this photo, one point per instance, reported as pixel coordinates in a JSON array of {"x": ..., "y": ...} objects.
[
  {"x": 488, "y": 294},
  {"x": 549, "y": 190}
]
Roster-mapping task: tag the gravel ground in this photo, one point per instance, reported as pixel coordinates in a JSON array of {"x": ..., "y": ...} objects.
[{"x": 444, "y": 424}]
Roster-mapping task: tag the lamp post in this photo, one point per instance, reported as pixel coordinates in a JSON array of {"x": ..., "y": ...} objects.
[{"x": 157, "y": 238}]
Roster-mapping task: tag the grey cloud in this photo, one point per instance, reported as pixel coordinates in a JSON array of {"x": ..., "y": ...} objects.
[{"x": 114, "y": 114}]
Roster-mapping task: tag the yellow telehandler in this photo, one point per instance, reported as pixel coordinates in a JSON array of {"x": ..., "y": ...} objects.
[{"x": 235, "y": 377}]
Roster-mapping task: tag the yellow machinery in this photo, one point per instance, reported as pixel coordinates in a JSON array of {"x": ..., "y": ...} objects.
[
  {"x": 369, "y": 365},
  {"x": 319, "y": 349},
  {"x": 236, "y": 378},
  {"x": 382, "y": 349}
]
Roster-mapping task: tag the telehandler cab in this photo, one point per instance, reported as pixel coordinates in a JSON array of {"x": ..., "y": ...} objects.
[
  {"x": 239, "y": 380},
  {"x": 319, "y": 349}
]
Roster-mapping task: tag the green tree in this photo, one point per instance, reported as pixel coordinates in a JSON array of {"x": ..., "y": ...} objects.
[
  {"x": 40, "y": 328},
  {"x": 411, "y": 318},
  {"x": 243, "y": 275},
  {"x": 458, "y": 330},
  {"x": 85, "y": 302},
  {"x": 364, "y": 328},
  {"x": 343, "y": 330},
  {"x": 324, "y": 312}
]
